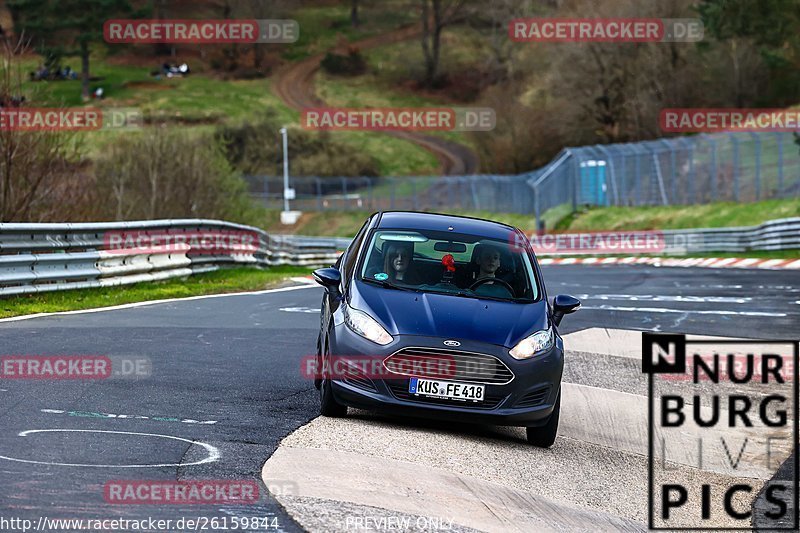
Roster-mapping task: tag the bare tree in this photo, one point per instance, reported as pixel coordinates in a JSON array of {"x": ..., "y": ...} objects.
[
  {"x": 33, "y": 164},
  {"x": 436, "y": 16},
  {"x": 497, "y": 15},
  {"x": 261, "y": 10},
  {"x": 354, "y": 20},
  {"x": 163, "y": 173},
  {"x": 618, "y": 89}
]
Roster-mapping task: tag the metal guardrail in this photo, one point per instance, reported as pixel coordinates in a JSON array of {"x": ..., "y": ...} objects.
[
  {"x": 51, "y": 257},
  {"x": 781, "y": 234}
]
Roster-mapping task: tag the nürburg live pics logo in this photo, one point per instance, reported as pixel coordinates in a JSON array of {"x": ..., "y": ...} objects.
[{"x": 722, "y": 433}]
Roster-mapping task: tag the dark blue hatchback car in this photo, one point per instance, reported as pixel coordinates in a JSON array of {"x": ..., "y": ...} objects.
[{"x": 443, "y": 317}]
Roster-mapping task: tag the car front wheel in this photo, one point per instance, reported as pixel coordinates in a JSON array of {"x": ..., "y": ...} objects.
[
  {"x": 328, "y": 406},
  {"x": 545, "y": 436}
]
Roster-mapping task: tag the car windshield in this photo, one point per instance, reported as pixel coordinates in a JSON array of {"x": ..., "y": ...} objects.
[{"x": 449, "y": 263}]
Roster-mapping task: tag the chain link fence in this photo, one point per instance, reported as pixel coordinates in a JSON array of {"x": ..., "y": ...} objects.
[
  {"x": 737, "y": 167},
  {"x": 417, "y": 193}
]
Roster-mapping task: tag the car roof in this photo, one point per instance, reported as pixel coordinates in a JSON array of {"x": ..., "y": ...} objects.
[{"x": 435, "y": 221}]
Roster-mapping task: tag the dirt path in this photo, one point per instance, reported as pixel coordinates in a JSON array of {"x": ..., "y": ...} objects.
[{"x": 295, "y": 86}]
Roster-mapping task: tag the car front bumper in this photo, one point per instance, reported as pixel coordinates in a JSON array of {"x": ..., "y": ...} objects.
[{"x": 527, "y": 400}]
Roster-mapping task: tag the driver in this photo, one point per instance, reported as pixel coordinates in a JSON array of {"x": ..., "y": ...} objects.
[
  {"x": 488, "y": 262},
  {"x": 486, "y": 267}
]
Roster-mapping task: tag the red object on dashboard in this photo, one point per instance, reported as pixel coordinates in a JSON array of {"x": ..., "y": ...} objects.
[{"x": 449, "y": 263}]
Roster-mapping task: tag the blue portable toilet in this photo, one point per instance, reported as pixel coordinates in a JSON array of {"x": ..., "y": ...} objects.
[{"x": 593, "y": 182}]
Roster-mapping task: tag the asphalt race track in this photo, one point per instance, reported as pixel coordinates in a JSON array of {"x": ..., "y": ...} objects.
[
  {"x": 226, "y": 380},
  {"x": 758, "y": 304}
]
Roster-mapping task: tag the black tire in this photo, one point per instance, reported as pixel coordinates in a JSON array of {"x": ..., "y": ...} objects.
[
  {"x": 317, "y": 380},
  {"x": 544, "y": 436},
  {"x": 328, "y": 406}
]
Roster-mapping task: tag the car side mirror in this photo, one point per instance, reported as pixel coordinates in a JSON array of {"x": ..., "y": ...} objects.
[
  {"x": 330, "y": 278},
  {"x": 564, "y": 304}
]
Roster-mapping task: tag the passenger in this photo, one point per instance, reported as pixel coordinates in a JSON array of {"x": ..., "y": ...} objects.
[{"x": 398, "y": 263}]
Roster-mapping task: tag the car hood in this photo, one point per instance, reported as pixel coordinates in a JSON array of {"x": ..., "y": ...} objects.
[{"x": 440, "y": 315}]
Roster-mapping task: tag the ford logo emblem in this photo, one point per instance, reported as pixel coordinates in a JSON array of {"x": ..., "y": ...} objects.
[{"x": 451, "y": 343}]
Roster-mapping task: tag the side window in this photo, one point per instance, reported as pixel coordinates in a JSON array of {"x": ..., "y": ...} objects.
[{"x": 350, "y": 259}]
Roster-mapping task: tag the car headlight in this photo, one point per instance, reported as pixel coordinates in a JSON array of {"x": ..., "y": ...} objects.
[
  {"x": 366, "y": 326},
  {"x": 532, "y": 345}
]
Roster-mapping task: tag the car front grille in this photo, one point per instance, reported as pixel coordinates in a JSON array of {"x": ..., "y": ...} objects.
[{"x": 451, "y": 365}]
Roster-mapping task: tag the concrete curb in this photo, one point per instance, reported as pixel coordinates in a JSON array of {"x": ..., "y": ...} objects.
[
  {"x": 702, "y": 262},
  {"x": 439, "y": 496},
  {"x": 491, "y": 479}
]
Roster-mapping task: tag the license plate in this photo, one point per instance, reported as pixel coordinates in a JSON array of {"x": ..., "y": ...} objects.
[{"x": 446, "y": 389}]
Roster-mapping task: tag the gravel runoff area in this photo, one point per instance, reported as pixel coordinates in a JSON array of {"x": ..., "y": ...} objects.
[{"x": 572, "y": 472}]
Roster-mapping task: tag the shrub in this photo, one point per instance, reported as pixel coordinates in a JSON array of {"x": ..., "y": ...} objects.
[
  {"x": 255, "y": 148},
  {"x": 169, "y": 173},
  {"x": 351, "y": 64}
]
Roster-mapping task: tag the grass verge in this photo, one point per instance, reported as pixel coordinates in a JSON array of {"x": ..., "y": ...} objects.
[
  {"x": 201, "y": 102},
  {"x": 219, "y": 282},
  {"x": 717, "y": 215},
  {"x": 347, "y": 223}
]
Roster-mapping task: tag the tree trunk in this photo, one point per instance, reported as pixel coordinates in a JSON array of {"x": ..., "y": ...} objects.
[
  {"x": 85, "y": 71},
  {"x": 258, "y": 55},
  {"x": 426, "y": 36},
  {"x": 437, "y": 42},
  {"x": 8, "y": 160},
  {"x": 737, "y": 74},
  {"x": 354, "y": 21},
  {"x": 432, "y": 39}
]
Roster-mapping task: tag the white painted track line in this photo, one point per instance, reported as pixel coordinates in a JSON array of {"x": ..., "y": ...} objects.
[
  {"x": 689, "y": 262},
  {"x": 305, "y": 285}
]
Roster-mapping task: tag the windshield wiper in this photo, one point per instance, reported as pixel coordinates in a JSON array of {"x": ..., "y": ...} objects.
[
  {"x": 474, "y": 296},
  {"x": 387, "y": 285}
]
